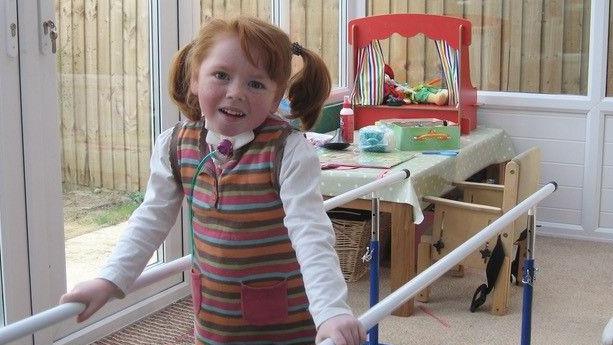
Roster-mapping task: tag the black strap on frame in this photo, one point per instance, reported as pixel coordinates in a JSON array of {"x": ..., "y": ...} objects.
[{"x": 492, "y": 271}]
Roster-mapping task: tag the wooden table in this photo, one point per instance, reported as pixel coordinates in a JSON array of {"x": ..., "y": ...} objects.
[{"x": 430, "y": 175}]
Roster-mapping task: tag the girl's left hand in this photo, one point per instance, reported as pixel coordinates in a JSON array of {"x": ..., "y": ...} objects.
[{"x": 342, "y": 329}]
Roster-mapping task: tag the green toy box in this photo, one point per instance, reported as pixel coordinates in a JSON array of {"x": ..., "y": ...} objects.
[{"x": 424, "y": 134}]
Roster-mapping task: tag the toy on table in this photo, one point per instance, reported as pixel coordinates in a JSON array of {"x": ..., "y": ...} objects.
[
  {"x": 396, "y": 94},
  {"x": 423, "y": 93},
  {"x": 376, "y": 139}
]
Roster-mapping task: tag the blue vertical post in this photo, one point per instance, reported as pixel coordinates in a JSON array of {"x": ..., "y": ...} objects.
[
  {"x": 373, "y": 333},
  {"x": 526, "y": 320},
  {"x": 528, "y": 281}
]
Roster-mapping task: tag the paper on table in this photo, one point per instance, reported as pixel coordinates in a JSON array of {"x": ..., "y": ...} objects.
[{"x": 330, "y": 159}]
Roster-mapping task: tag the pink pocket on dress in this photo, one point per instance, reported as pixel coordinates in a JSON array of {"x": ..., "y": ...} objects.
[
  {"x": 196, "y": 291},
  {"x": 265, "y": 305}
]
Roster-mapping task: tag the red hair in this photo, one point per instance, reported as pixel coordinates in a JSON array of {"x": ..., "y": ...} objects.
[{"x": 308, "y": 89}]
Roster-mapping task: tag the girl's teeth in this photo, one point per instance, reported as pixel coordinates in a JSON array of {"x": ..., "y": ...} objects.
[{"x": 231, "y": 112}]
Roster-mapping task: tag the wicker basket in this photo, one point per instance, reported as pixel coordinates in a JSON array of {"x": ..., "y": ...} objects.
[{"x": 352, "y": 229}]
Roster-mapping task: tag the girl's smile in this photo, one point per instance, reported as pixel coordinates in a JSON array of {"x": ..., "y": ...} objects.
[{"x": 232, "y": 113}]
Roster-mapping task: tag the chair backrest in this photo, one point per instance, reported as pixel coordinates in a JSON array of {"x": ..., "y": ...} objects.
[
  {"x": 522, "y": 174},
  {"x": 462, "y": 221}
]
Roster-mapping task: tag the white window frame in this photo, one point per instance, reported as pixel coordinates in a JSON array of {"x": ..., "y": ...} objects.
[
  {"x": 351, "y": 10},
  {"x": 600, "y": 106}
]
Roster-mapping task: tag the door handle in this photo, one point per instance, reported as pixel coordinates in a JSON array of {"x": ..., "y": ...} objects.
[
  {"x": 47, "y": 29},
  {"x": 10, "y": 13},
  {"x": 50, "y": 29}
]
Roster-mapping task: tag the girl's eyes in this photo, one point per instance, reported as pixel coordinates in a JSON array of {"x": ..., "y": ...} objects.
[
  {"x": 256, "y": 85},
  {"x": 221, "y": 75},
  {"x": 253, "y": 84}
]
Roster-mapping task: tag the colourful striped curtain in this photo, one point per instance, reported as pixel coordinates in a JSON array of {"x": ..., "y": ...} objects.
[
  {"x": 368, "y": 85},
  {"x": 449, "y": 64}
]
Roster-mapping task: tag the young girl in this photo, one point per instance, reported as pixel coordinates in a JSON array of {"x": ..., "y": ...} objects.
[{"x": 264, "y": 266}]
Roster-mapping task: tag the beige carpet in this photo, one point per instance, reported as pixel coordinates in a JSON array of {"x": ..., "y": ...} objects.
[
  {"x": 573, "y": 301},
  {"x": 170, "y": 326}
]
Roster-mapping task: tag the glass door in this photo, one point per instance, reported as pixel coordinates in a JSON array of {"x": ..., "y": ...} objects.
[
  {"x": 103, "y": 70},
  {"x": 91, "y": 77},
  {"x": 109, "y": 110}
]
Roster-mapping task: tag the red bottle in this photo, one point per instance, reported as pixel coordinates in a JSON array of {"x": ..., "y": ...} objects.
[{"x": 347, "y": 121}]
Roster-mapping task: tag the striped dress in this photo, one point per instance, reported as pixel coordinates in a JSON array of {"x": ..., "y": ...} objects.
[{"x": 247, "y": 287}]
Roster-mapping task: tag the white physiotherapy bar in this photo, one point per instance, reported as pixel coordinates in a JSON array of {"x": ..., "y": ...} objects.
[
  {"x": 449, "y": 261},
  {"x": 65, "y": 311},
  {"x": 368, "y": 188}
]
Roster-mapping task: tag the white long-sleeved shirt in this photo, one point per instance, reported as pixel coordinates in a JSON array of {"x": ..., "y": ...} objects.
[{"x": 309, "y": 228}]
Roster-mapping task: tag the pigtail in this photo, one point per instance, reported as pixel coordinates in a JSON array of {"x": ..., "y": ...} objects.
[
  {"x": 309, "y": 88},
  {"x": 179, "y": 82}
]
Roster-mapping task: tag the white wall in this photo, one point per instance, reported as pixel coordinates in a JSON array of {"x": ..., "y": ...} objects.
[{"x": 563, "y": 140}]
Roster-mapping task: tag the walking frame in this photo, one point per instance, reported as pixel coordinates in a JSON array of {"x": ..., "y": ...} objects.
[{"x": 378, "y": 311}]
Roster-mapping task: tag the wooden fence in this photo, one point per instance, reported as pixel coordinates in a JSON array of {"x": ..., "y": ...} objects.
[
  {"x": 103, "y": 64},
  {"x": 232, "y": 8},
  {"x": 315, "y": 25},
  {"x": 310, "y": 25},
  {"x": 537, "y": 46},
  {"x": 104, "y": 92}
]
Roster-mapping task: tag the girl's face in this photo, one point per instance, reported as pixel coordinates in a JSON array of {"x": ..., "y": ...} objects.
[{"x": 234, "y": 95}]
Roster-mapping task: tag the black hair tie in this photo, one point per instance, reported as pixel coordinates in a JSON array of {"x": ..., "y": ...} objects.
[{"x": 296, "y": 49}]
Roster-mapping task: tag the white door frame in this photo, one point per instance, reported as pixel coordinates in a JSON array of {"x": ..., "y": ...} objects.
[
  {"x": 41, "y": 160},
  {"x": 14, "y": 254}
]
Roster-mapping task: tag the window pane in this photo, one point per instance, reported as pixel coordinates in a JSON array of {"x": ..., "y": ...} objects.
[
  {"x": 315, "y": 25},
  {"x": 106, "y": 124},
  {"x": 309, "y": 24},
  {"x": 519, "y": 46}
]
